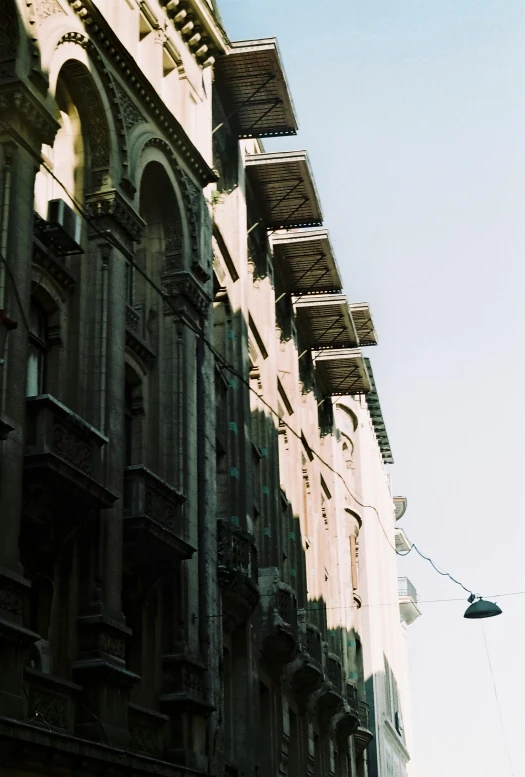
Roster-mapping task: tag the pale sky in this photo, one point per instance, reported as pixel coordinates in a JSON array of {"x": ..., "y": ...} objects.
[{"x": 413, "y": 114}]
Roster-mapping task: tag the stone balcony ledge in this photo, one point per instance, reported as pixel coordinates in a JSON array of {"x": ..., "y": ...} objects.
[
  {"x": 237, "y": 573},
  {"x": 152, "y": 518},
  {"x": 64, "y": 451}
]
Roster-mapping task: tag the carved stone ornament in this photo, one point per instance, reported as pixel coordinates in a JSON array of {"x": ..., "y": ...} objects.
[
  {"x": 159, "y": 509},
  {"x": 25, "y": 115},
  {"x": 145, "y": 740},
  {"x": 93, "y": 641},
  {"x": 10, "y": 601},
  {"x": 112, "y": 204},
  {"x": 51, "y": 710},
  {"x": 139, "y": 84},
  {"x": 54, "y": 266},
  {"x": 183, "y": 290},
  {"x": 72, "y": 448},
  {"x": 130, "y": 113},
  {"x": 46, "y": 8}
]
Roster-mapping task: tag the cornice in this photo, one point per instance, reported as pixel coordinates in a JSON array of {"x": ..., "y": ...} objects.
[
  {"x": 199, "y": 27},
  {"x": 108, "y": 42}
]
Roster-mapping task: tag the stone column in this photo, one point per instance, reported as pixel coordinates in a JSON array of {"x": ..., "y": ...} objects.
[
  {"x": 101, "y": 664},
  {"x": 25, "y": 123}
]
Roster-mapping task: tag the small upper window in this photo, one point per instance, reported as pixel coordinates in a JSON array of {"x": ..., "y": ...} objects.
[{"x": 37, "y": 352}]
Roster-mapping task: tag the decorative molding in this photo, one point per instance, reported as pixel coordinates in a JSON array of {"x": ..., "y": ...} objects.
[
  {"x": 11, "y": 601},
  {"x": 139, "y": 84},
  {"x": 50, "y": 708},
  {"x": 135, "y": 343},
  {"x": 131, "y": 115},
  {"x": 72, "y": 448},
  {"x": 21, "y": 111},
  {"x": 112, "y": 204},
  {"x": 107, "y": 643},
  {"x": 182, "y": 288},
  {"x": 45, "y": 8},
  {"x": 144, "y": 740},
  {"x": 53, "y": 266}
]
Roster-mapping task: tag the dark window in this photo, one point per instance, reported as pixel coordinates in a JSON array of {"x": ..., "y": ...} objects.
[
  {"x": 128, "y": 424},
  {"x": 37, "y": 352}
]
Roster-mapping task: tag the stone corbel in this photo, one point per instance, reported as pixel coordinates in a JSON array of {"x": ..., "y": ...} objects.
[
  {"x": 107, "y": 209},
  {"x": 24, "y": 118},
  {"x": 184, "y": 295}
]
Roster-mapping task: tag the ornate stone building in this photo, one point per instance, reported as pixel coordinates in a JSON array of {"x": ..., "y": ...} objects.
[{"x": 179, "y": 525}]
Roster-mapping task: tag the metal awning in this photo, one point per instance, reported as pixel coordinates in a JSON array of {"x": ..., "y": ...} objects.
[
  {"x": 257, "y": 99},
  {"x": 307, "y": 261},
  {"x": 325, "y": 321},
  {"x": 363, "y": 323},
  {"x": 376, "y": 415},
  {"x": 342, "y": 372},
  {"x": 285, "y": 189}
]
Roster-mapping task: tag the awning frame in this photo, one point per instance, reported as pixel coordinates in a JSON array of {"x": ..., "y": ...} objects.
[
  {"x": 343, "y": 357},
  {"x": 284, "y": 173},
  {"x": 309, "y": 247},
  {"x": 256, "y": 59}
]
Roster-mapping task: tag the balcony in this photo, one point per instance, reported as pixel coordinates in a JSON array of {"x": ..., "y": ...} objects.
[
  {"x": 330, "y": 697},
  {"x": 153, "y": 527},
  {"x": 279, "y": 634},
  {"x": 362, "y": 735},
  {"x": 53, "y": 698},
  {"x": 237, "y": 573},
  {"x": 137, "y": 334},
  {"x": 306, "y": 672},
  {"x": 407, "y": 601},
  {"x": 63, "y": 457},
  {"x": 347, "y": 721},
  {"x": 184, "y": 685}
]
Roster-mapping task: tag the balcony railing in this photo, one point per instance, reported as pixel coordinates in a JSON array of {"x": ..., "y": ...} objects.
[
  {"x": 313, "y": 644},
  {"x": 406, "y": 589},
  {"x": 64, "y": 452},
  {"x": 363, "y": 712},
  {"x": 333, "y": 671},
  {"x": 237, "y": 573},
  {"x": 147, "y": 496}
]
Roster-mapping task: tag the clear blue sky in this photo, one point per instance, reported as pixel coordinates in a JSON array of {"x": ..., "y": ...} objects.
[{"x": 413, "y": 113}]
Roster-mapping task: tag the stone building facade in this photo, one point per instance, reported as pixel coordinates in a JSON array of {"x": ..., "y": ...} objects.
[{"x": 179, "y": 525}]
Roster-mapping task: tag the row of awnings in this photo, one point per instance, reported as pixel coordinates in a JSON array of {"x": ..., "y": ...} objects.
[
  {"x": 328, "y": 321},
  {"x": 258, "y": 104}
]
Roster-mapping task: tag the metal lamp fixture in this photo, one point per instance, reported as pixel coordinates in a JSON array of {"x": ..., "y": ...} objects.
[{"x": 481, "y": 609}]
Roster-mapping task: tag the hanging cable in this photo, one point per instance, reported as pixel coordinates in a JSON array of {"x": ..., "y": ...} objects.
[
  {"x": 503, "y": 731},
  {"x": 107, "y": 237}
]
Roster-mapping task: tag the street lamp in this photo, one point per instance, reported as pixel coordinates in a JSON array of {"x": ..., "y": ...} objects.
[{"x": 481, "y": 608}]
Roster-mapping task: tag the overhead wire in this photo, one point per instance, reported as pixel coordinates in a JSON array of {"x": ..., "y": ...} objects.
[
  {"x": 108, "y": 238},
  {"x": 500, "y": 715}
]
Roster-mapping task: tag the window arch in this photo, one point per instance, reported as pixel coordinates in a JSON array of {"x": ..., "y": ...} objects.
[
  {"x": 349, "y": 414},
  {"x": 79, "y": 157}
]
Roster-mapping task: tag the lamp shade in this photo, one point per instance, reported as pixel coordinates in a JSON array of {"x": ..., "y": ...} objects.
[{"x": 482, "y": 609}]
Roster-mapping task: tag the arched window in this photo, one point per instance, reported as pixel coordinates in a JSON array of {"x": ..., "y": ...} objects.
[
  {"x": 37, "y": 352},
  {"x": 133, "y": 415},
  {"x": 65, "y": 158}
]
